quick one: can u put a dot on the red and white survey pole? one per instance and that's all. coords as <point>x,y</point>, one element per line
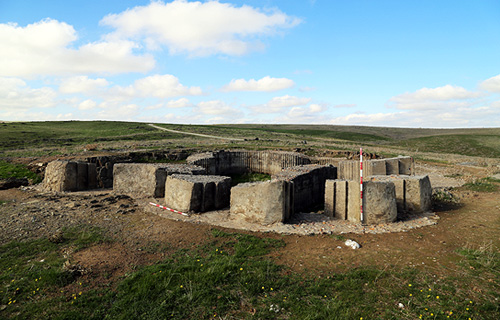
<point>169,209</point>
<point>362,218</point>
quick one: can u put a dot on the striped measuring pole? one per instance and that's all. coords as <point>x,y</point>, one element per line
<point>173,210</point>
<point>362,218</point>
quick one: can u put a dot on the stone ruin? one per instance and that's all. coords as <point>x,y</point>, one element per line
<point>390,186</point>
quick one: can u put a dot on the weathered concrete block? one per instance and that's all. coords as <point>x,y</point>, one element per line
<point>400,188</point>
<point>61,175</point>
<point>196,193</point>
<point>82,173</point>
<point>379,202</point>
<point>418,194</point>
<point>92,178</point>
<point>406,166</point>
<point>392,166</point>
<point>146,179</point>
<point>330,198</point>
<point>308,184</point>
<point>353,201</point>
<point>341,199</point>
<point>375,167</point>
<point>348,170</point>
<point>259,202</point>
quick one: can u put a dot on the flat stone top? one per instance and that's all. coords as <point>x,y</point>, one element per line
<point>396,177</point>
<point>296,171</point>
<point>199,178</point>
<point>205,155</point>
<point>172,167</point>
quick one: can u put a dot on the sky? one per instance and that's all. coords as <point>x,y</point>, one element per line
<point>421,64</point>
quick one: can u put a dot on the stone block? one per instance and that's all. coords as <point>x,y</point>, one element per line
<point>406,166</point>
<point>146,179</point>
<point>348,170</point>
<point>61,175</point>
<point>340,199</point>
<point>196,193</point>
<point>82,173</point>
<point>259,202</point>
<point>418,194</point>
<point>330,198</point>
<point>353,201</point>
<point>391,166</point>
<point>379,202</point>
<point>400,188</point>
<point>92,178</point>
<point>374,167</point>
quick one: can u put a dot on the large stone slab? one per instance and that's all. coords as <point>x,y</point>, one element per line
<point>147,179</point>
<point>418,194</point>
<point>197,193</point>
<point>413,193</point>
<point>379,202</point>
<point>65,175</point>
<point>259,202</point>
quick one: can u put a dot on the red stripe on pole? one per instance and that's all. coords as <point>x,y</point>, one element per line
<point>173,210</point>
<point>362,218</point>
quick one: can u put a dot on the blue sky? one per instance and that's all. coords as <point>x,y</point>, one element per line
<point>377,63</point>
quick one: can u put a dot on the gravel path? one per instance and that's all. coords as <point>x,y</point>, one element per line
<point>193,134</point>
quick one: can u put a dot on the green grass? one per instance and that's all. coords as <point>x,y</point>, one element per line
<point>11,170</point>
<point>483,185</point>
<point>75,133</point>
<point>232,277</point>
<point>465,144</point>
<point>32,277</point>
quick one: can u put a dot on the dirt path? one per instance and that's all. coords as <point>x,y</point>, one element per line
<point>194,134</point>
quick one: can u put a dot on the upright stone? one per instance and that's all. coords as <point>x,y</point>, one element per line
<point>341,199</point>
<point>92,178</point>
<point>379,202</point>
<point>392,166</point>
<point>418,194</point>
<point>196,193</point>
<point>330,198</point>
<point>406,166</point>
<point>82,174</point>
<point>375,167</point>
<point>354,201</point>
<point>61,175</point>
<point>259,202</point>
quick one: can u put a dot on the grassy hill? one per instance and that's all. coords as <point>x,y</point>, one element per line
<point>23,138</point>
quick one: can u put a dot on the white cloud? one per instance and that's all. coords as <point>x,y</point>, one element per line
<point>266,84</point>
<point>43,48</point>
<point>199,28</point>
<point>163,86</point>
<point>82,84</point>
<point>434,98</point>
<point>215,107</point>
<point>492,84</point>
<point>16,94</point>
<point>87,105</point>
<point>181,103</point>
<point>278,104</point>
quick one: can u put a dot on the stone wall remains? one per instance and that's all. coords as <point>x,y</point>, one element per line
<point>197,193</point>
<point>64,175</point>
<point>260,202</point>
<point>307,185</point>
<point>235,162</point>
<point>147,179</point>
<point>349,170</point>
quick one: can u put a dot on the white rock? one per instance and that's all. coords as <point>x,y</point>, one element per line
<point>353,244</point>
